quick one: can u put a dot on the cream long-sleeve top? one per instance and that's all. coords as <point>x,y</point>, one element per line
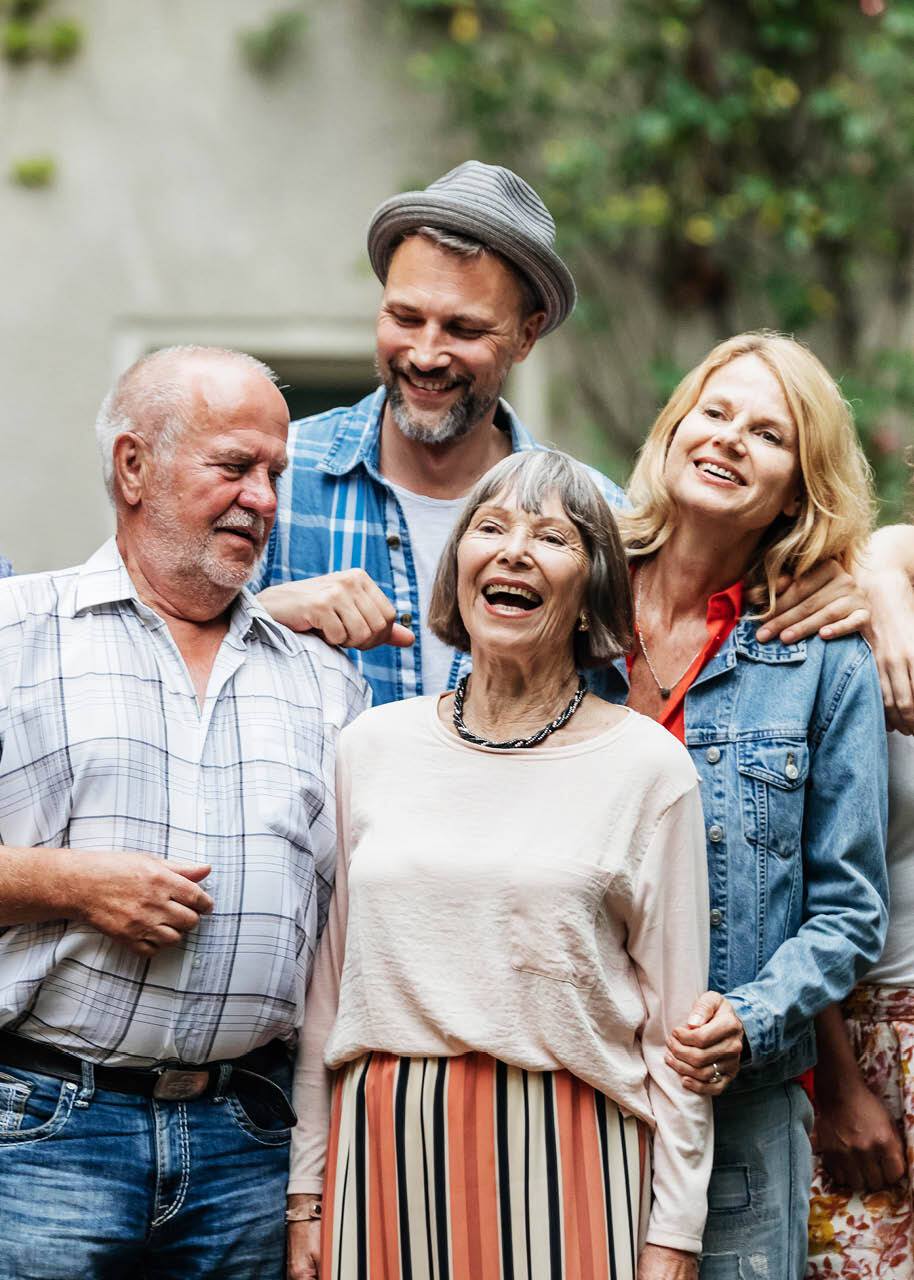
<point>548,907</point>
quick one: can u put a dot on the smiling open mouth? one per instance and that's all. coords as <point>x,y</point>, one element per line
<point>247,534</point>
<point>504,596</point>
<point>719,472</point>
<point>439,387</point>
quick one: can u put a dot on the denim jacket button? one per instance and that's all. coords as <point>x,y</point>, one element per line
<point>712,755</point>
<point>715,833</point>
<point>716,917</point>
<point>792,772</point>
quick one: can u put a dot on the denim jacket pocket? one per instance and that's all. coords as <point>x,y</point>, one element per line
<point>773,773</point>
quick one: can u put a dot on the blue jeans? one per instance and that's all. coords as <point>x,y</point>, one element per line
<point>758,1197</point>
<point>96,1184</point>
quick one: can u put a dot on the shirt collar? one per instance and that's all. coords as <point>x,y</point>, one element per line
<point>726,605</point>
<point>358,439</point>
<point>104,579</point>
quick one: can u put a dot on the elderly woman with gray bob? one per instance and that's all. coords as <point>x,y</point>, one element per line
<point>518,923</point>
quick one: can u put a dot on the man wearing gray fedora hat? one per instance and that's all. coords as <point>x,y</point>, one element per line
<point>471,281</point>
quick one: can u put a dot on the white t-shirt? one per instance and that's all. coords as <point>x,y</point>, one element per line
<point>430,521</point>
<point>896,967</point>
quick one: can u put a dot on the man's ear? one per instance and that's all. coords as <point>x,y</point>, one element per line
<point>130,457</point>
<point>529,332</point>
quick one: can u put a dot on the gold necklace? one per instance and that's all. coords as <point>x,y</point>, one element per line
<point>665,689</point>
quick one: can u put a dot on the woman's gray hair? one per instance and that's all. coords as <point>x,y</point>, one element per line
<point>532,476</point>
<point>153,400</point>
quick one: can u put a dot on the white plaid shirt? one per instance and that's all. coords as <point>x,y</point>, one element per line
<point>103,747</point>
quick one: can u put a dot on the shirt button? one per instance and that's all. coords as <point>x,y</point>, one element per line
<point>715,833</point>
<point>712,755</point>
<point>716,917</point>
<point>393,541</point>
<point>406,619</point>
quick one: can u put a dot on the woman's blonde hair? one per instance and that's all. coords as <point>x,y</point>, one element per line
<point>836,505</point>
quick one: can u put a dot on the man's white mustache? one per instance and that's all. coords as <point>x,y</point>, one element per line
<point>243,520</point>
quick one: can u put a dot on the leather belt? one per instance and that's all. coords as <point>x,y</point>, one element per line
<point>178,1082</point>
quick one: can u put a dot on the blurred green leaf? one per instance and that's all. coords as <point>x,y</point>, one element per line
<point>33,171</point>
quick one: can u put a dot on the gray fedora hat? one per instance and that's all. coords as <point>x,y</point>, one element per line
<point>489,204</point>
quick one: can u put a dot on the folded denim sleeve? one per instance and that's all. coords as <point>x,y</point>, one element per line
<point>845,884</point>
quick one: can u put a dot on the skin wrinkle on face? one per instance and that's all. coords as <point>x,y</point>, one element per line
<point>219,474</point>
<point>451,325</point>
<point>742,422</point>
<point>545,552</point>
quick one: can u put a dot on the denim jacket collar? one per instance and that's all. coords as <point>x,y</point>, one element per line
<point>741,642</point>
<point>774,652</point>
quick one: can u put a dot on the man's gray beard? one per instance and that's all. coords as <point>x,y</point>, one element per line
<point>191,558</point>
<point>457,422</point>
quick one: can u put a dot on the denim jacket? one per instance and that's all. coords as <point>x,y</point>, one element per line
<point>789,742</point>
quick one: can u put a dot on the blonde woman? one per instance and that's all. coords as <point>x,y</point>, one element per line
<point>751,470</point>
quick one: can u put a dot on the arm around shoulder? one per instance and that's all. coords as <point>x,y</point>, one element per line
<point>885,574</point>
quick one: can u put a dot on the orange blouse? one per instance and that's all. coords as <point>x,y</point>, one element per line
<point>724,609</point>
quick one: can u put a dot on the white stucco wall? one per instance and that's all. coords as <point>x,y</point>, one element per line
<point>194,201</point>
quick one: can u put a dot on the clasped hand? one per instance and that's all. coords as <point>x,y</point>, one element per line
<point>706,1049</point>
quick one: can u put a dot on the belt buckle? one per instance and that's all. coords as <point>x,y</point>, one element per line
<point>174,1085</point>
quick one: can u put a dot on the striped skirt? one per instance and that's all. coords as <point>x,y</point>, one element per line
<point>467,1169</point>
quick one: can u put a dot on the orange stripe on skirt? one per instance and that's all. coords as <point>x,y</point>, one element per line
<point>467,1169</point>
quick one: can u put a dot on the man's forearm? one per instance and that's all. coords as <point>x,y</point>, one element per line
<point>891,547</point>
<point>35,885</point>
<point>836,1068</point>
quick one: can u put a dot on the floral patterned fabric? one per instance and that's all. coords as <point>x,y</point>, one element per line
<point>870,1236</point>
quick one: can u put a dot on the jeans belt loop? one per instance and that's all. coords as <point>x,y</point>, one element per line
<point>222,1083</point>
<point>87,1088</point>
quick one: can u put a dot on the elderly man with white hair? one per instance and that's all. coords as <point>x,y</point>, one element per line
<point>168,833</point>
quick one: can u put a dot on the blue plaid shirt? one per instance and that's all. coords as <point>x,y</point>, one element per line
<point>336,511</point>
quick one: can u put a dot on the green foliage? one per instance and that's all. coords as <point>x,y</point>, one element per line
<point>33,171</point>
<point>22,38</point>
<point>269,47</point>
<point>23,9</point>
<point>18,41</point>
<point>747,164</point>
<point>63,40</point>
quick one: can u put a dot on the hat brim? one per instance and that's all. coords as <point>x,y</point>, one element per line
<point>544,269</point>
